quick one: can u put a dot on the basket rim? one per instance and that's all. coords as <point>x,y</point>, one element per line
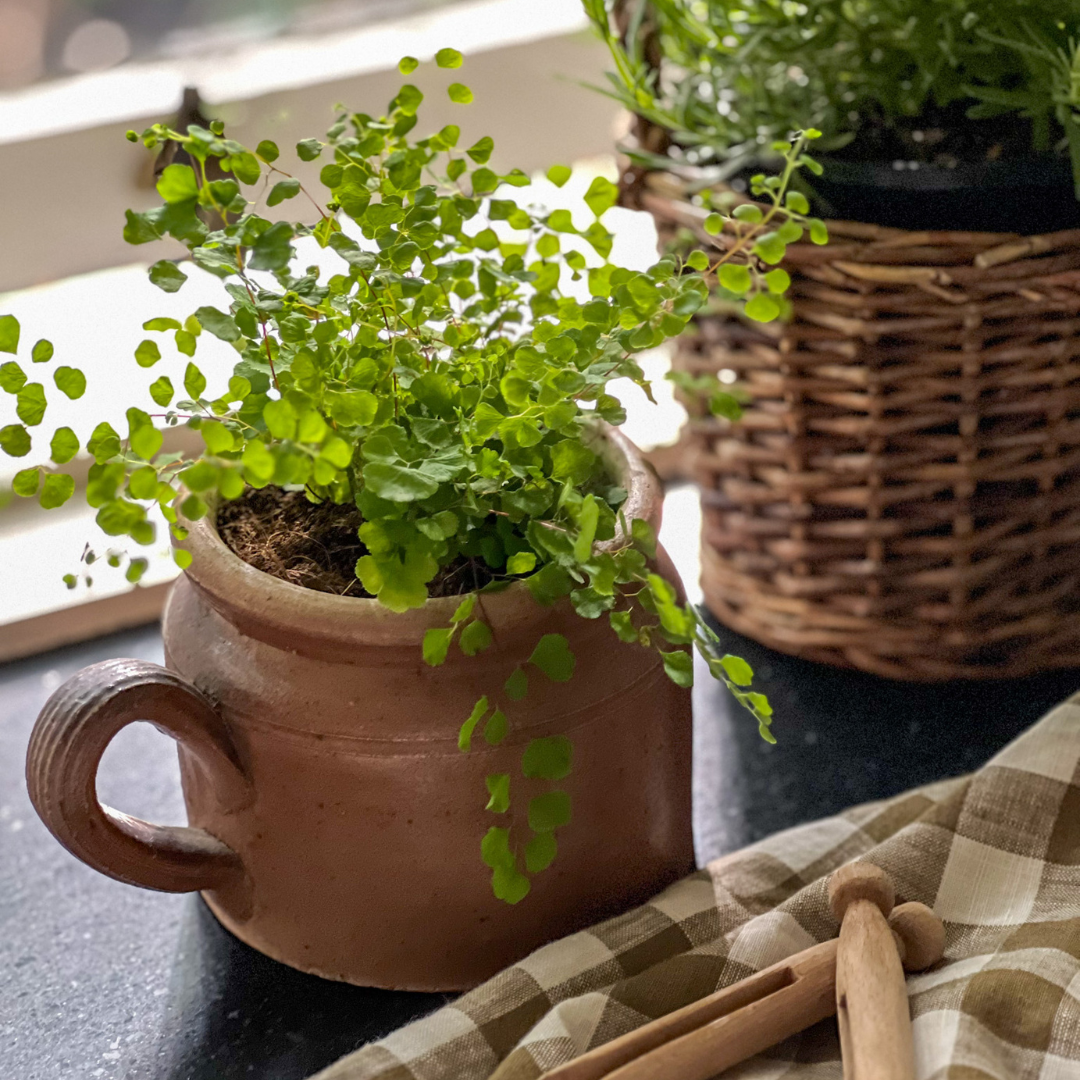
<point>648,194</point>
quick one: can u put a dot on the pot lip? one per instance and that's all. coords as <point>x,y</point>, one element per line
<point>264,604</point>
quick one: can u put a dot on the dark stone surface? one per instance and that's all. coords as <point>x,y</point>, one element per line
<point>100,980</point>
<point>844,738</point>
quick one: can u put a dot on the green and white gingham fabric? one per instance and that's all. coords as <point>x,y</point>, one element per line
<point>996,854</point>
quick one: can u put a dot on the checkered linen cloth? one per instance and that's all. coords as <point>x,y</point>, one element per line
<point>996,854</point>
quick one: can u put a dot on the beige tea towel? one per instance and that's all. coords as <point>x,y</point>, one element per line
<point>996,854</point>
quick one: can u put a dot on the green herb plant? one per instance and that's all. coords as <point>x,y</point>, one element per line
<point>739,74</point>
<point>444,378</point>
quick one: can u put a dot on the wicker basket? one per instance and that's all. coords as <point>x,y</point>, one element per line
<point>902,494</point>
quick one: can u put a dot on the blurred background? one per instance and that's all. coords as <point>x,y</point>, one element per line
<point>76,74</point>
<point>48,39</point>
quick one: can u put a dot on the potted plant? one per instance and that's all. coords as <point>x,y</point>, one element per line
<point>965,114</point>
<point>894,497</point>
<point>423,619</point>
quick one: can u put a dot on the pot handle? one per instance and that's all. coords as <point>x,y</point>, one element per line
<point>76,725</point>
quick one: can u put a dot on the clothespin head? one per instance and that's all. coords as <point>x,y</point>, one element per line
<point>861,881</point>
<point>920,936</point>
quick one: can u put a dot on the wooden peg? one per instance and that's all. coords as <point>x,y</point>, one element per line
<point>717,1032</point>
<point>871,996</point>
<point>732,1025</point>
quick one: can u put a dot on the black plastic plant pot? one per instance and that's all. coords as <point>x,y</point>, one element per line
<point>1029,197</point>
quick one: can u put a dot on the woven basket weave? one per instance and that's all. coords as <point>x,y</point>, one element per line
<point>902,494</point>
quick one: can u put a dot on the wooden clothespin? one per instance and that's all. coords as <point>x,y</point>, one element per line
<point>871,997</point>
<point>732,1025</point>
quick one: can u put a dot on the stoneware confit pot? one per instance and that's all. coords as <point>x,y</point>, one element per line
<point>334,823</point>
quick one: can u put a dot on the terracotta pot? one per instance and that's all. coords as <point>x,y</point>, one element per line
<point>335,825</point>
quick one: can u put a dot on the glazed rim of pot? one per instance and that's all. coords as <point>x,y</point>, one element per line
<point>262,602</point>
